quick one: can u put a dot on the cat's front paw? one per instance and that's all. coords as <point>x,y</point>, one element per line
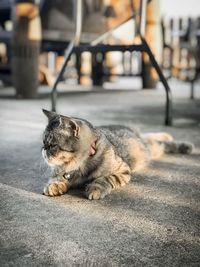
<point>55,188</point>
<point>94,193</point>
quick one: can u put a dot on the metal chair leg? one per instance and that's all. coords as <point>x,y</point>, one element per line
<point>168,108</point>
<point>192,90</point>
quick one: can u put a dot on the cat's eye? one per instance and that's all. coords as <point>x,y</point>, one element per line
<point>67,150</point>
<point>54,124</point>
<point>70,151</point>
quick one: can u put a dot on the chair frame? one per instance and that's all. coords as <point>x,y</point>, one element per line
<point>95,46</point>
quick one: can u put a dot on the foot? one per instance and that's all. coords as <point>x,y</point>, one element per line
<point>185,148</point>
<point>94,193</point>
<point>56,188</point>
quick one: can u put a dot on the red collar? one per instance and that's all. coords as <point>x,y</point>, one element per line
<point>92,151</point>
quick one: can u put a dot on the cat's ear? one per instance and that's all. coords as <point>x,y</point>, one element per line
<point>50,114</point>
<point>75,128</point>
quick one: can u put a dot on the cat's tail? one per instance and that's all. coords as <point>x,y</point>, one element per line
<point>163,143</point>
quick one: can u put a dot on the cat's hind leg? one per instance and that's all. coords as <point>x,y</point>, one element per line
<point>177,147</point>
<point>163,143</point>
<point>161,136</point>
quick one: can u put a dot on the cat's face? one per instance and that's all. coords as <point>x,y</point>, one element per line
<point>60,139</point>
<point>64,140</point>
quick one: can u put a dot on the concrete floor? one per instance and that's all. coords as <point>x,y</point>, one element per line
<point>153,221</point>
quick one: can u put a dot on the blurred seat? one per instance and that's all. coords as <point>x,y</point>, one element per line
<point>182,49</point>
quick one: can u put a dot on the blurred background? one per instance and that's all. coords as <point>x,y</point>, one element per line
<point>108,79</point>
<point>34,36</point>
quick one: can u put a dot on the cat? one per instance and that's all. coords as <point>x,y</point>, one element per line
<point>103,158</point>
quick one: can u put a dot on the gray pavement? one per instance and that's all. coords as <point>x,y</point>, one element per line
<point>153,221</point>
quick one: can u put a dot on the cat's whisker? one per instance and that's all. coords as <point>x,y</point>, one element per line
<point>41,166</point>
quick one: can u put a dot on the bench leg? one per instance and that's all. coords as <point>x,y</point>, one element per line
<point>192,89</point>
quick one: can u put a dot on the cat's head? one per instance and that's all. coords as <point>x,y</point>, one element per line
<point>66,141</point>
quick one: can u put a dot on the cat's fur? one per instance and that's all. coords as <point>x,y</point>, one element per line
<point>103,158</point>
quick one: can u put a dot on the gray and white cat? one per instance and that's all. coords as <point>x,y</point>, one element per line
<point>103,158</point>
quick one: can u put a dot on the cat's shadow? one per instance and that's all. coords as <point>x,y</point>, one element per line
<point>77,192</point>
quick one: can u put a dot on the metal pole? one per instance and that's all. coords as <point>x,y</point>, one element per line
<point>192,90</point>
<point>142,22</point>
<point>78,31</point>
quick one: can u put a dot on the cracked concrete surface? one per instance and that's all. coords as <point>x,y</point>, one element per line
<point>153,221</point>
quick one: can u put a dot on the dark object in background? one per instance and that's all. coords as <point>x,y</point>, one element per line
<point>97,68</point>
<point>26,42</point>
<point>5,36</point>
